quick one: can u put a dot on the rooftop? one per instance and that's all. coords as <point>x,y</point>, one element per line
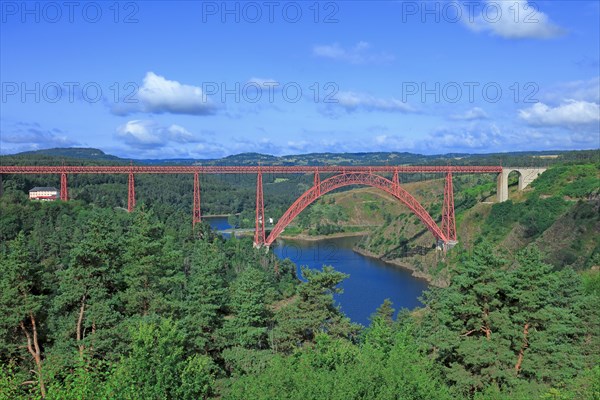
<point>43,189</point>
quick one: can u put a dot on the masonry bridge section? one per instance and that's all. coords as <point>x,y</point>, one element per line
<point>526,176</point>
<point>337,177</point>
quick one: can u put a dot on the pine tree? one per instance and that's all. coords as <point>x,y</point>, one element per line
<point>86,308</point>
<point>150,271</point>
<point>497,324</point>
<point>22,304</point>
<point>380,333</point>
<point>312,311</point>
<point>546,308</point>
<point>205,295</point>
<point>250,296</point>
<point>466,323</point>
<point>156,367</point>
<point>385,312</point>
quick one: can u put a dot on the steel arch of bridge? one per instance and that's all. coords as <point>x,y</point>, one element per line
<point>356,178</point>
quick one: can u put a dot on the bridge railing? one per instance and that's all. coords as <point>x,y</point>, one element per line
<point>160,169</point>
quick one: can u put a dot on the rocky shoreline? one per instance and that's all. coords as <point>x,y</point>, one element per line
<point>415,272</point>
<point>308,238</point>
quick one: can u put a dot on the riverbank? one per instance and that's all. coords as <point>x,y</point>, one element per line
<point>370,280</point>
<point>414,271</point>
<point>314,238</point>
<point>303,237</point>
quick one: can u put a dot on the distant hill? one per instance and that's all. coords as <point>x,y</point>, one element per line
<point>87,154</point>
<point>530,158</point>
<point>72,152</point>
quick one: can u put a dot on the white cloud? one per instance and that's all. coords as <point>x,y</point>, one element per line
<point>488,137</point>
<point>358,54</point>
<point>353,101</point>
<point>149,139</point>
<point>392,143</point>
<point>569,113</point>
<point>515,19</point>
<point>25,136</point>
<point>471,137</point>
<point>195,151</point>
<point>179,134</point>
<point>302,145</point>
<point>263,83</point>
<point>465,139</point>
<point>141,134</point>
<point>159,95</point>
<point>587,90</point>
<point>144,134</point>
<point>470,115</point>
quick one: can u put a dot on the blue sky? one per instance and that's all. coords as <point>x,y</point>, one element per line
<point>209,79</point>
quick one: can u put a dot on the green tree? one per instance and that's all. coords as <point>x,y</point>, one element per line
<point>500,326</point>
<point>337,369</point>
<point>197,378</point>
<point>11,383</point>
<point>312,311</point>
<point>150,271</point>
<point>84,381</point>
<point>156,367</point>
<point>385,312</point>
<point>22,305</point>
<point>380,333</point>
<point>205,295</point>
<point>249,299</point>
<point>463,326</point>
<point>547,307</point>
<point>85,310</point>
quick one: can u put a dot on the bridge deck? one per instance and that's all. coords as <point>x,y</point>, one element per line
<point>150,169</point>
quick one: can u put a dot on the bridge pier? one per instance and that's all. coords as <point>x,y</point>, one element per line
<point>131,193</point>
<point>261,246</point>
<point>448,218</point>
<point>259,233</point>
<point>445,246</point>
<point>526,176</point>
<point>64,191</point>
<point>196,217</point>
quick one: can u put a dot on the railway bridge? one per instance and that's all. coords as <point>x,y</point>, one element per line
<point>339,176</point>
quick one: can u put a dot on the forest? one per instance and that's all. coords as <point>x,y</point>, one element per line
<point>103,304</point>
<point>98,303</point>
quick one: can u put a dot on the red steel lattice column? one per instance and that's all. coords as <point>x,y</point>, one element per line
<point>317,182</point>
<point>259,232</point>
<point>64,191</point>
<point>396,181</point>
<point>196,212</point>
<point>131,193</point>
<point>448,220</point>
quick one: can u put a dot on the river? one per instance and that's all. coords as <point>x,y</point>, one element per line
<point>371,281</point>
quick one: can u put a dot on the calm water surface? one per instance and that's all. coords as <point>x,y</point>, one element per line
<point>370,282</point>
